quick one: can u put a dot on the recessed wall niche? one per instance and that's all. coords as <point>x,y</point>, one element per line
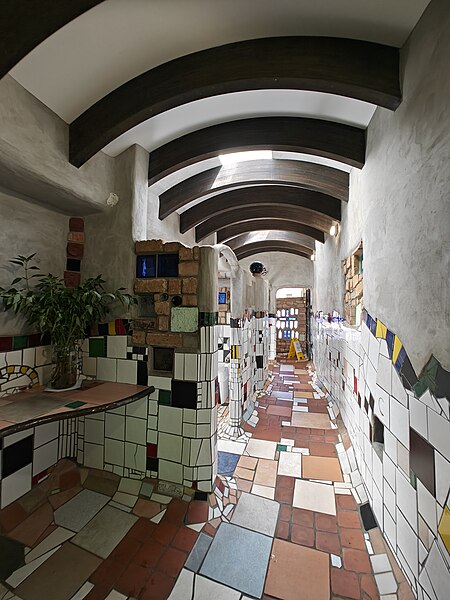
<point>157,265</point>
<point>146,305</point>
<point>353,279</point>
<point>162,359</point>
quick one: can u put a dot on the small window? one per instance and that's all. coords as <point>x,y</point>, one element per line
<point>168,265</point>
<point>157,265</point>
<point>146,266</point>
<point>222,297</point>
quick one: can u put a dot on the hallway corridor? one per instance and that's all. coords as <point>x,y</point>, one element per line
<point>284,517</point>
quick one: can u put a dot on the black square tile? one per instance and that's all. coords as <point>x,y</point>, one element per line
<point>73,265</point>
<point>367,516</point>
<point>152,464</point>
<point>421,460</point>
<point>259,362</point>
<point>17,456</point>
<point>142,372</point>
<point>184,394</point>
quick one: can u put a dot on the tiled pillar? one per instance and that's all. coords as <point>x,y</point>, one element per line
<point>236,383</point>
<point>272,336</point>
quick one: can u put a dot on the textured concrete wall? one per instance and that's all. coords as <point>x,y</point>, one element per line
<point>284,270</point>
<point>34,148</point>
<point>167,230</point>
<point>26,228</point>
<point>399,204</point>
<point>208,279</point>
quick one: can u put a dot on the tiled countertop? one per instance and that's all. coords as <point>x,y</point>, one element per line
<point>35,406</point>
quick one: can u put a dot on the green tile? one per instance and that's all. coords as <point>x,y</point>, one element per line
<point>184,319</point>
<point>165,397</point>
<point>97,347</point>
<point>76,404</point>
<point>19,342</point>
<point>281,447</point>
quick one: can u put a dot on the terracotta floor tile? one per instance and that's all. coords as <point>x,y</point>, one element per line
<point>328,542</point>
<point>310,420</point>
<point>346,502</point>
<point>176,511</point>
<point>98,593</point>
<point>12,516</point>
<point>185,539</point>
<point>349,519</point>
<point>285,482</point>
<point>356,560</point>
<point>345,583</point>
<point>280,411</point>
<point>303,517</point>
<point>142,530</point>
<point>246,474</point>
<point>126,550</point>
<point>285,513</point>
<point>302,535</point>
<point>31,529</point>
<point>149,554</point>
<point>326,522</point>
<point>267,433</point>
<point>172,561</point>
<point>146,508</point>
<point>266,472</point>
<point>57,500</point>
<point>369,587</point>
<point>322,449</point>
<point>352,538</point>
<point>284,495</point>
<point>282,530</point>
<point>319,467</point>
<point>243,485</point>
<point>164,533</point>
<point>197,512</point>
<point>291,566</point>
<point>132,580</point>
<point>248,462</point>
<point>108,573</point>
<point>157,587</point>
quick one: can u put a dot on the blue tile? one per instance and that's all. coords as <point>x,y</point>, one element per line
<point>227,463</point>
<point>239,559</point>
<point>198,553</point>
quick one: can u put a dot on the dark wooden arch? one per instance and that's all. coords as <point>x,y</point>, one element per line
<point>278,196</point>
<point>303,216</point>
<point>294,173</point>
<point>327,139</point>
<point>261,247</point>
<point>274,236</point>
<point>24,24</point>
<point>232,231</point>
<point>357,69</point>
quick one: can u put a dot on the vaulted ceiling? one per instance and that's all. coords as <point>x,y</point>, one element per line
<point>193,81</point>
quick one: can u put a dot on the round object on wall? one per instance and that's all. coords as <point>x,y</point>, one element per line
<point>177,300</point>
<point>164,297</point>
<point>257,268</point>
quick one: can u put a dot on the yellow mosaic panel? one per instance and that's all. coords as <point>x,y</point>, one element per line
<point>397,347</point>
<point>381,330</point>
<point>444,528</point>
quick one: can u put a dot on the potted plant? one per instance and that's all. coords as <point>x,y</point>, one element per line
<point>61,312</point>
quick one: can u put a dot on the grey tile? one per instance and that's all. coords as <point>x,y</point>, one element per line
<point>198,552</point>
<point>238,558</point>
<point>102,534</point>
<point>77,512</point>
<point>256,513</point>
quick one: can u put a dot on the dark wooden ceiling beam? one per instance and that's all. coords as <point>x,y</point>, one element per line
<point>24,24</point>
<point>279,196</point>
<point>254,213</point>
<point>232,231</point>
<point>326,139</point>
<point>273,236</point>
<point>353,68</point>
<point>294,173</point>
<point>262,247</point>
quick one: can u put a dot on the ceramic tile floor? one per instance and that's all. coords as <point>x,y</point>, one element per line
<point>283,517</point>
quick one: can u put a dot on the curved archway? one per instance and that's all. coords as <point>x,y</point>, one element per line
<point>262,196</point>
<point>294,173</point>
<point>272,236</point>
<point>343,143</point>
<point>261,247</point>
<point>233,231</point>
<point>357,69</point>
<point>299,215</point>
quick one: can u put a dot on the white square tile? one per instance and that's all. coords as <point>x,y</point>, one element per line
<point>138,408</point>
<point>314,496</point>
<point>427,506</point>
<point>89,366</point>
<point>264,491</point>
<point>135,456</point>
<point>397,388</point>
<point>115,426</point>
<point>439,433</point>
<point>106,369</point>
<point>16,437</point>
<point>384,373</point>
<point>114,452</point>
<point>386,583</point>
<point>116,346</point>
<point>16,485</point>
<point>261,449</point>
<point>170,471</point>
<point>135,430</point>
<point>169,446</point>
<point>381,409</point>
<point>93,431</point>
<point>178,367</point>
<point>442,474</point>
<point>160,383</point>
<point>399,421</point>
<point>93,456</point>
<point>170,419</point>
<point>190,367</point>
<point>45,433</point>
<point>418,416</point>
<point>380,563</point>
<point>127,371</point>
<point>43,355</point>
<point>45,456</point>
<point>407,542</point>
<point>290,464</point>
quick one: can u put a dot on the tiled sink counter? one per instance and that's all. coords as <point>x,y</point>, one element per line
<point>102,425</point>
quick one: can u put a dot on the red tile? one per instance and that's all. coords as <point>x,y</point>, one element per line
<point>282,530</point>
<point>185,539</point>
<point>149,554</point>
<point>172,561</point>
<point>303,517</point>
<point>326,523</point>
<point>322,449</point>
<point>197,512</point>
<point>108,572</point>
<point>76,224</point>
<point>69,479</point>
<point>345,584</point>
<point>132,580</point>
<point>369,588</point>
<point>352,538</point>
<point>30,530</point>
<point>126,549</point>
<point>302,535</point>
<point>209,529</point>
<point>285,513</point>
<point>142,530</point>
<point>157,587</point>
<point>98,593</point>
<point>57,500</point>
<point>346,502</point>
<point>328,542</point>
<point>146,508</point>
<point>356,560</point>
<point>12,516</point>
<point>349,519</point>
<point>164,533</point>
<point>176,512</point>
<point>284,482</point>
<point>284,495</point>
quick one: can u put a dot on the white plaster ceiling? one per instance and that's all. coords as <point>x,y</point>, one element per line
<point>119,39</point>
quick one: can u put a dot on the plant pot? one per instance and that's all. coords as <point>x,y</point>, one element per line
<point>66,367</point>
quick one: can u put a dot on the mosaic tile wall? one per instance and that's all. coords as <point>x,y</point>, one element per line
<point>291,322</point>
<point>400,429</point>
<point>178,443</point>
<point>24,368</point>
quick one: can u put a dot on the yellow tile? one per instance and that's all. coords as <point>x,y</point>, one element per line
<point>397,347</point>
<point>381,330</point>
<point>24,370</point>
<point>444,528</point>
<point>112,328</point>
<point>10,370</point>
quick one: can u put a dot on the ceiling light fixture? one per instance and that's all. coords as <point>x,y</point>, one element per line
<point>333,230</point>
<point>237,157</point>
<point>313,257</point>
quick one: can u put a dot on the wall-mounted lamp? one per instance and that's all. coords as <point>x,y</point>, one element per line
<point>313,257</point>
<point>333,230</point>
